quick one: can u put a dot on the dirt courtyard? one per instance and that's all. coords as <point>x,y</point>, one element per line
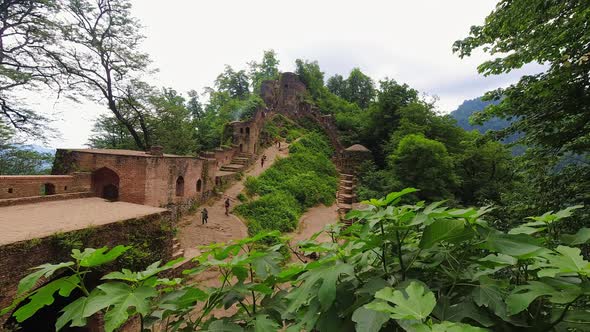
<point>29,221</point>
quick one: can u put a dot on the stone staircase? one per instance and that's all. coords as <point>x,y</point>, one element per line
<point>238,163</point>
<point>346,196</point>
<point>177,251</point>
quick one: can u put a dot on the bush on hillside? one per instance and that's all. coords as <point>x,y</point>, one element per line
<point>279,211</point>
<point>307,177</point>
<point>314,143</point>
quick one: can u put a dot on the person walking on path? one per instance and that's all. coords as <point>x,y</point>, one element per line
<point>204,216</point>
<point>279,144</point>
<point>227,206</point>
<point>262,160</point>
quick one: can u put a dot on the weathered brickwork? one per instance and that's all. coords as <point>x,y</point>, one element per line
<point>39,185</point>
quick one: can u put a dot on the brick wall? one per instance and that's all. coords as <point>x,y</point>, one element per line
<point>155,231</point>
<point>18,186</point>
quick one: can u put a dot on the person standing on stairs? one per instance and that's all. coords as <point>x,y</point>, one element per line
<point>227,206</point>
<point>204,216</point>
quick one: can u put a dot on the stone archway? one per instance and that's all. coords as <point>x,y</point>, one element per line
<point>180,186</point>
<point>105,184</point>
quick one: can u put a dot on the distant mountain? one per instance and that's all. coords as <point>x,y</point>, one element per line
<point>465,110</point>
<point>37,148</point>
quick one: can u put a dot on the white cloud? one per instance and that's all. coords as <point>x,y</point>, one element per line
<point>410,41</point>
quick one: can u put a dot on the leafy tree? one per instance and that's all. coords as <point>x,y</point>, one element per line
<point>384,115</point>
<point>359,88</point>
<point>173,127</point>
<point>109,133</point>
<point>194,105</point>
<point>234,83</point>
<point>27,33</point>
<point>337,85</point>
<point>267,69</point>
<point>99,50</point>
<point>312,76</point>
<point>424,163</point>
<point>550,108</point>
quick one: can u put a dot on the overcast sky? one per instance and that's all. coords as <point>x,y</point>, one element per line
<point>410,41</point>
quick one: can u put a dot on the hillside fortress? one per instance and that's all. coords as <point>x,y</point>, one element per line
<point>121,194</point>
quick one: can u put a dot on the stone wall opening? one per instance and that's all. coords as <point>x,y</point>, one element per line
<point>180,186</point>
<point>48,189</point>
<point>105,183</point>
<point>199,185</point>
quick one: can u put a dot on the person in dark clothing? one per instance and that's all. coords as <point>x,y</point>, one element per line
<point>204,216</point>
<point>227,207</point>
<point>262,160</point>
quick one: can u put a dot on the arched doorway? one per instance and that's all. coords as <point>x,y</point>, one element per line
<point>48,189</point>
<point>241,148</point>
<point>105,184</point>
<point>247,131</point>
<point>199,185</point>
<point>180,186</point>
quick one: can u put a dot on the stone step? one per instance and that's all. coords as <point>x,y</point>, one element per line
<point>232,167</point>
<point>346,183</point>
<point>346,190</point>
<point>349,177</point>
<point>178,254</point>
<point>240,161</point>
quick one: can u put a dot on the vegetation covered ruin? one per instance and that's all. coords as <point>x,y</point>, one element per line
<point>429,227</point>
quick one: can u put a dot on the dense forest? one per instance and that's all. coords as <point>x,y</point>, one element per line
<point>458,233</point>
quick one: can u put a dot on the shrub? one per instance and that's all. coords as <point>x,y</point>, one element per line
<point>292,135</point>
<point>306,178</point>
<point>279,211</point>
<point>314,143</point>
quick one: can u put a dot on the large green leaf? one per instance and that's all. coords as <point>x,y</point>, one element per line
<point>91,257</point>
<point>121,300</point>
<point>44,296</point>
<point>448,230</point>
<point>416,303</point>
<point>369,320</point>
<point>224,326</point>
<point>150,271</point>
<point>522,296</point>
<point>263,324</point>
<point>566,260</point>
<point>516,245</point>
<point>45,270</point>
<point>581,237</point>
<point>74,313</point>
<point>320,281</point>
<point>267,264</point>
<point>443,327</point>
<point>490,293</point>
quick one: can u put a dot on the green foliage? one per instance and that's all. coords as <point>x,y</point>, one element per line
<point>358,88</point>
<point>400,267</point>
<point>310,74</point>
<point>267,69</point>
<point>547,110</point>
<point>278,211</point>
<point>425,164</point>
<point>291,185</point>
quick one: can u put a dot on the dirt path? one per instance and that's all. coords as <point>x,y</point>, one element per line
<point>222,228</point>
<point>313,221</point>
